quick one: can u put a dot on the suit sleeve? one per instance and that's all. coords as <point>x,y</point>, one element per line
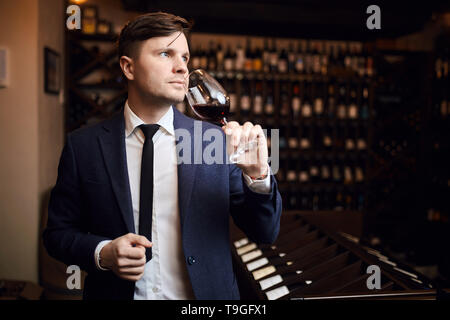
<point>65,236</point>
<point>256,214</point>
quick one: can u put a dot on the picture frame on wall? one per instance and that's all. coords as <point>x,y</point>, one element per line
<point>52,71</point>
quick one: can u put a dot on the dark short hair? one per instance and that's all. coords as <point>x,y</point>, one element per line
<point>146,26</point>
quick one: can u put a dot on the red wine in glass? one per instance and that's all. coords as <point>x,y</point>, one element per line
<point>212,113</point>
<point>210,102</point>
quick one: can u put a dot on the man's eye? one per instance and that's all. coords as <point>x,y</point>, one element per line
<point>185,59</point>
<point>164,54</point>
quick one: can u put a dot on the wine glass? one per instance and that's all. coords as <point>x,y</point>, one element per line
<point>210,102</point>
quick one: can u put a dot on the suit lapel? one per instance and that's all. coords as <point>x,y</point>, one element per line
<point>114,154</point>
<point>112,143</point>
<point>186,171</point>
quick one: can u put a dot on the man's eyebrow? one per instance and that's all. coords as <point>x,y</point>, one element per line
<point>170,49</point>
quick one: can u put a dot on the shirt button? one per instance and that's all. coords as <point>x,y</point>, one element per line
<point>191,260</point>
<point>155,289</point>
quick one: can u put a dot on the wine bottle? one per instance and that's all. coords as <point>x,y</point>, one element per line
<point>279,260</point>
<point>293,138</point>
<point>336,172</point>
<point>282,291</point>
<point>316,58</point>
<point>195,61</point>
<point>314,170</point>
<point>269,107</point>
<point>359,170</point>
<point>203,58</point>
<point>273,57</point>
<point>305,138</point>
<point>353,106</point>
<point>284,100</point>
<point>240,58</point>
<point>266,56</point>
<point>325,58</point>
<point>296,101</point>
<point>362,59</point>
<point>364,112</point>
<point>318,101</point>
<point>283,61</point>
<point>291,172</point>
<point>303,174</point>
<point>220,57</point>
<point>283,139</point>
<point>257,60</point>
<point>245,102</point>
<point>369,66</point>
<point>316,199</point>
<point>347,56</point>
<point>348,174</point>
<point>258,100</point>
<point>361,141</point>
<point>341,108</point>
<point>293,198</point>
<point>278,279</point>
<point>339,203</point>
<point>340,137</point>
<point>248,64</point>
<point>325,172</point>
<point>351,138</point>
<point>331,102</point>
<point>300,62</point>
<point>229,60</point>
<point>306,107</point>
<point>230,89</point>
<point>291,58</point>
<point>327,141</point>
<point>308,58</point>
<point>212,58</point>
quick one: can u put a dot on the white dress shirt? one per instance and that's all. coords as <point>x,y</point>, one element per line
<point>165,275</point>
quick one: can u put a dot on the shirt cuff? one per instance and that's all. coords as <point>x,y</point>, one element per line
<point>97,254</point>
<point>259,186</point>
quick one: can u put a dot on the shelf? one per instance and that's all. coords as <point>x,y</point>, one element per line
<point>270,76</point>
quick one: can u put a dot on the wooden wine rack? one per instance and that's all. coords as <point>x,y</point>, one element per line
<point>333,264</point>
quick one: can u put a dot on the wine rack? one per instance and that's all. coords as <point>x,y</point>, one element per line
<point>95,86</point>
<point>436,226</point>
<point>317,94</point>
<point>311,262</point>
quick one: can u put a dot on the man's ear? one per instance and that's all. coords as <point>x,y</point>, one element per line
<point>127,66</point>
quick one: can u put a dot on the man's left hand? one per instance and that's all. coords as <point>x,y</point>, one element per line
<point>254,161</point>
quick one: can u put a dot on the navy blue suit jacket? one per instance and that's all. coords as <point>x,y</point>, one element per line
<point>91,202</point>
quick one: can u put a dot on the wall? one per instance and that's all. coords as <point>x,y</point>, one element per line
<point>31,132</point>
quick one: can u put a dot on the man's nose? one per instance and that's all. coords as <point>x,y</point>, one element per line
<point>180,66</point>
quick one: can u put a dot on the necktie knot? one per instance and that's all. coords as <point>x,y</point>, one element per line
<point>149,130</point>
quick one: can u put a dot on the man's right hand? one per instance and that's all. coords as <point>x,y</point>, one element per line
<point>125,256</point>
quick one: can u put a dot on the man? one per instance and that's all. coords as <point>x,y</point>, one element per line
<point>167,238</point>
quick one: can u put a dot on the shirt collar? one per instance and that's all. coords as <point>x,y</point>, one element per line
<point>132,121</point>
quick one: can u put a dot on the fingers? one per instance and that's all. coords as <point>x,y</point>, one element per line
<point>233,131</point>
<point>138,240</point>
<point>255,133</point>
<point>228,128</point>
<point>133,271</point>
<point>125,263</point>
<point>246,129</point>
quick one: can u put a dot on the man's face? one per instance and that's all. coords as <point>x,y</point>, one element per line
<point>160,70</point>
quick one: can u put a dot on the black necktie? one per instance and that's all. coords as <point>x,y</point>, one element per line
<point>146,193</point>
